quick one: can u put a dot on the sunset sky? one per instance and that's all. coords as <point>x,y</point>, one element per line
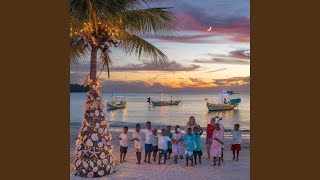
<point>200,61</point>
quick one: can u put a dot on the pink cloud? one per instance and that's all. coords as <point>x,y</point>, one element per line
<point>237,29</point>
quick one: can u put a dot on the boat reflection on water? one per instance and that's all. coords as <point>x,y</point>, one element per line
<point>119,114</point>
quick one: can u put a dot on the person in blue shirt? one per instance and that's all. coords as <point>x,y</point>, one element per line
<point>190,146</point>
<point>197,151</point>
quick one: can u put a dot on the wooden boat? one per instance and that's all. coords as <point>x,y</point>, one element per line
<point>164,103</point>
<point>117,102</point>
<point>226,103</point>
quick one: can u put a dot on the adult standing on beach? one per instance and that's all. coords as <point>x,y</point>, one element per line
<point>148,142</point>
<point>191,124</point>
<point>209,131</point>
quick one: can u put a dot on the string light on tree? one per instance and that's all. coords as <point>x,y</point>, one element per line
<point>93,146</point>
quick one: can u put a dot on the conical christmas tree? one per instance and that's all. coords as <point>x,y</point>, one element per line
<point>94,157</point>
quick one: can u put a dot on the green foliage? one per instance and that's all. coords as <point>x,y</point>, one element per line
<point>104,24</point>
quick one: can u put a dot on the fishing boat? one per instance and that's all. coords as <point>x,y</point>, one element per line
<point>226,102</point>
<point>117,102</point>
<point>162,102</point>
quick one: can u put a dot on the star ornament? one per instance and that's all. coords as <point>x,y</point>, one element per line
<point>85,151</point>
<point>94,153</point>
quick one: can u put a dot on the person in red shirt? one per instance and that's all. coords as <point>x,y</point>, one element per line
<point>209,131</point>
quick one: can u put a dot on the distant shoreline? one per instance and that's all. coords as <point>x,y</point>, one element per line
<point>78,88</point>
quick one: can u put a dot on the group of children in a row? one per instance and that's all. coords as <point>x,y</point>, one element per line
<point>188,145</point>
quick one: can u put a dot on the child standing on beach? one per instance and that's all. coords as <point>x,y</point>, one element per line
<point>148,142</point>
<point>124,143</point>
<point>236,140</point>
<point>169,134</point>
<point>138,139</point>
<point>163,145</point>
<point>197,151</point>
<point>155,144</point>
<point>190,146</point>
<point>177,146</point>
<point>217,142</point>
<point>209,131</point>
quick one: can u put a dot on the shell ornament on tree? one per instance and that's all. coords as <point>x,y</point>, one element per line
<point>94,141</point>
<point>94,137</point>
<point>100,131</point>
<point>100,144</point>
<point>89,142</point>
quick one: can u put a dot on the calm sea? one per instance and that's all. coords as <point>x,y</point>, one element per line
<point>138,110</point>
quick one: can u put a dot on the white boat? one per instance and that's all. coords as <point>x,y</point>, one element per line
<point>226,103</point>
<point>117,102</point>
<point>163,103</point>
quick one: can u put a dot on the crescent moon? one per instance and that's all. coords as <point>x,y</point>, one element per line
<point>209,29</point>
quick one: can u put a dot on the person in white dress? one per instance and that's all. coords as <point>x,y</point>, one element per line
<point>138,140</point>
<point>218,121</point>
<point>177,146</point>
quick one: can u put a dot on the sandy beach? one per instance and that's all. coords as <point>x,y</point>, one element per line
<point>228,170</point>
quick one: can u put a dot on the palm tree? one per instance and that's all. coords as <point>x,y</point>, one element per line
<point>96,27</point>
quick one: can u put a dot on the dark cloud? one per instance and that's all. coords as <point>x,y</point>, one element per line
<point>147,66</point>
<point>238,57</point>
<point>217,70</point>
<point>241,53</point>
<point>200,38</point>
<point>222,60</point>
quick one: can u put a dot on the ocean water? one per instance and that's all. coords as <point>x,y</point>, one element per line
<point>139,111</point>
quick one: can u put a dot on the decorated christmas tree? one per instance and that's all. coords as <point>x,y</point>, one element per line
<point>94,156</point>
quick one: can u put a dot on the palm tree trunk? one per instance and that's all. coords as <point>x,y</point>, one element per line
<point>93,64</point>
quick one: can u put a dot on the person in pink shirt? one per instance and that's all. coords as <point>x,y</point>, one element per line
<point>217,144</point>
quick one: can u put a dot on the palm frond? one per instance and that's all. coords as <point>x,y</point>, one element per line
<point>78,50</point>
<point>131,43</point>
<point>100,10</point>
<point>157,21</point>
<point>106,60</point>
